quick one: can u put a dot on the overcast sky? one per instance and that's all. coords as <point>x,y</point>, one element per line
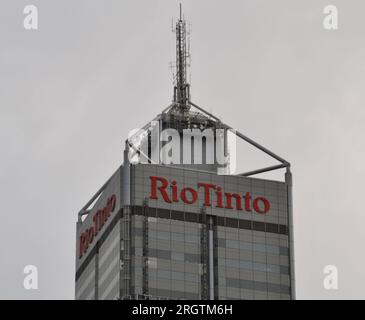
<point>71,91</point>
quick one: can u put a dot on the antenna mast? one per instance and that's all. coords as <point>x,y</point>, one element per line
<point>182,88</point>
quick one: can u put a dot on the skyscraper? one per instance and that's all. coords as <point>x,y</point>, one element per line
<point>173,222</point>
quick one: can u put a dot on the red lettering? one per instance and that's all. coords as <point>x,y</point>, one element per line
<point>219,198</point>
<point>174,192</point>
<point>194,195</point>
<point>90,235</point>
<point>257,207</point>
<point>162,188</point>
<point>99,214</point>
<point>229,201</point>
<point>113,201</point>
<point>104,214</point>
<point>96,223</point>
<point>247,201</point>
<point>82,244</point>
<point>207,188</point>
<point>99,219</point>
<point>190,196</point>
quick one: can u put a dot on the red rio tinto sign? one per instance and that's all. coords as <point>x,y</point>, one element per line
<point>99,219</point>
<point>220,199</point>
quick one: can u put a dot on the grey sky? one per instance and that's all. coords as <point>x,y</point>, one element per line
<point>71,91</point>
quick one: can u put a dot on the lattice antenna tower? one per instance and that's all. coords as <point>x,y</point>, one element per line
<point>181,85</point>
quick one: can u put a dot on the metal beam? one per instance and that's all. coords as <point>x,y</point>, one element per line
<point>206,112</point>
<point>140,152</point>
<point>242,136</point>
<point>85,208</point>
<point>258,146</point>
<point>250,173</point>
<point>289,183</point>
<point>167,108</point>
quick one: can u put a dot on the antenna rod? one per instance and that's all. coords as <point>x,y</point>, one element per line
<point>182,88</point>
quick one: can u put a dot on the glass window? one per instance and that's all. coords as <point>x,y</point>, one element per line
<point>192,238</point>
<point>232,223</point>
<point>177,256</point>
<point>164,254</point>
<point>177,236</point>
<point>273,268</point>
<point>164,274</point>
<point>192,277</point>
<point>163,213</point>
<point>259,247</point>
<point>259,266</point>
<point>245,224</point>
<point>246,265</point>
<point>152,262</point>
<point>163,235</point>
<point>192,217</point>
<point>232,263</point>
<point>245,246</point>
<point>232,244</point>
<point>138,252</point>
<point>259,226</point>
<point>221,242</point>
<point>271,227</point>
<point>177,215</point>
<point>220,221</point>
<point>284,270</point>
<point>273,249</point>
<point>283,229</point>
<point>284,251</point>
<point>190,257</point>
<point>177,275</point>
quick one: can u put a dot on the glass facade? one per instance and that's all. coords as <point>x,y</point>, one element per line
<point>252,265</point>
<point>249,264</point>
<point>251,255</point>
<point>174,258</point>
<point>153,249</point>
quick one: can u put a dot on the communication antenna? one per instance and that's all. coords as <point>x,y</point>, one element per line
<point>181,86</point>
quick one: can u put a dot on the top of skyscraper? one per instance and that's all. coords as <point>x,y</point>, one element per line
<point>183,115</point>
